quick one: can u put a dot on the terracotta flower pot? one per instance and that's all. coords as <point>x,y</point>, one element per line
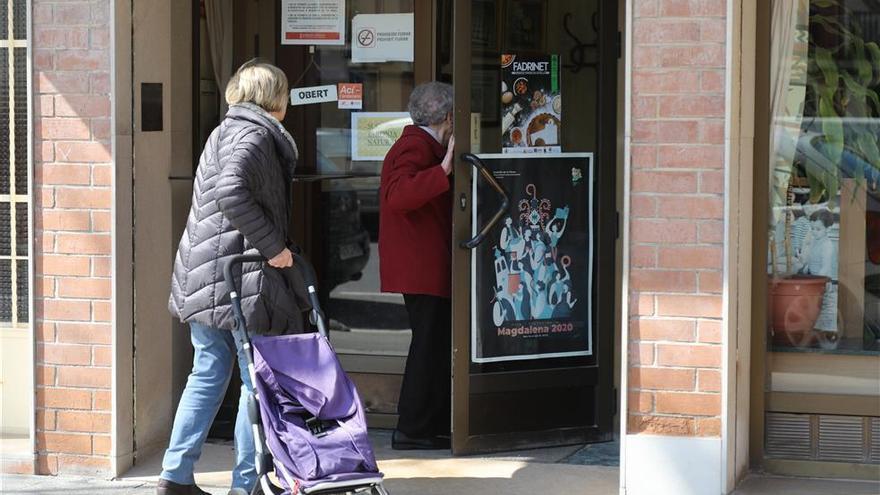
<point>795,304</point>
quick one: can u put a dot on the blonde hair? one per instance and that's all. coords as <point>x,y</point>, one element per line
<point>259,83</point>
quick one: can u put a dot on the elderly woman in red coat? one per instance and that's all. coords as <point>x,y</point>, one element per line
<point>415,236</point>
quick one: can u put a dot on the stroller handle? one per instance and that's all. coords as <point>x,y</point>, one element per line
<point>300,263</point>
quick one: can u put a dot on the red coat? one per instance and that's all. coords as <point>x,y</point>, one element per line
<point>415,217</point>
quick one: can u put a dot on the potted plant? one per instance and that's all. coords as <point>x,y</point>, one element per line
<point>838,76</point>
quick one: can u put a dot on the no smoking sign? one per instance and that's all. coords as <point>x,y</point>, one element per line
<point>366,37</point>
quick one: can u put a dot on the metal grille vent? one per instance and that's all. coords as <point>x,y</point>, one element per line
<point>874,452</point>
<point>788,436</point>
<point>841,438</point>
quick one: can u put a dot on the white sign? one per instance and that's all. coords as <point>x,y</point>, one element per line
<point>373,133</point>
<point>382,38</point>
<point>313,94</point>
<point>312,22</point>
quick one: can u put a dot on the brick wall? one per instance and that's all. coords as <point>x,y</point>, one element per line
<point>71,63</point>
<point>676,234</point>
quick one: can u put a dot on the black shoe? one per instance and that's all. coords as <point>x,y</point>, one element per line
<point>166,487</point>
<point>402,441</point>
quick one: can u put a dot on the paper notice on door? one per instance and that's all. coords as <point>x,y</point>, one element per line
<point>351,96</point>
<point>373,133</point>
<point>312,22</point>
<point>382,38</point>
<point>313,94</point>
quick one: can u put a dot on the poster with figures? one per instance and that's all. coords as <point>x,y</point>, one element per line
<point>531,104</point>
<point>532,294</point>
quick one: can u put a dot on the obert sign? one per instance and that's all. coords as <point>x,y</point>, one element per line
<point>313,94</point>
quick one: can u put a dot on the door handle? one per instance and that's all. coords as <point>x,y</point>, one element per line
<point>502,209</point>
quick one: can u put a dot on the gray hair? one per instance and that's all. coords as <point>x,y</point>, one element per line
<point>430,102</point>
<point>259,83</point>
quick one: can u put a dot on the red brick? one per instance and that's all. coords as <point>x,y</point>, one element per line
<point>692,8</point>
<point>102,355</point>
<point>101,221</point>
<point>56,309</point>
<point>661,425</point>
<point>46,198</point>
<point>101,311</point>
<point>46,241</point>
<point>662,379</point>
<point>101,130</point>
<point>101,266</point>
<point>643,206</point>
<point>712,182</point>
<point>710,232</point>
<point>84,243</point>
<point>712,81</point>
<point>83,60</point>
<point>85,333</point>
<point>82,152</point>
<point>100,83</point>
<point>708,258</point>
<point>79,421</point>
<point>688,403</point>
<point>665,31</point>
<point>664,182</point>
<point>643,156</point>
<point>84,288</point>
<point>45,331</point>
<point>663,231</point>
<point>45,287</point>
<point>643,256</point>
<point>83,465</point>
<point>712,132</point>
<point>711,282</point>
<point>103,401</point>
<point>665,81</point>
<point>44,152</point>
<point>101,445</point>
<point>45,419</point>
<point>646,8</point>
<point>73,13</point>
<point>80,376</point>
<point>62,82</point>
<point>699,55</point>
<point>662,281</point>
<point>83,106</point>
<point>641,354</point>
<point>63,174</point>
<point>41,13</point>
<point>663,329</point>
<point>44,106</point>
<point>709,331</point>
<point>691,207</point>
<point>64,220</point>
<point>64,354</point>
<point>47,464</point>
<point>646,56</point>
<point>46,375</point>
<point>693,306</point>
<point>708,427</point>
<point>697,356</point>
<point>672,106</point>
<point>63,265</point>
<point>644,107</point>
<point>102,175</point>
<point>53,37</point>
<point>44,59</point>
<point>691,156</point>
<point>677,131</point>
<point>63,398</point>
<point>64,443</point>
<point>641,304</point>
<point>99,38</point>
<point>63,128</point>
<point>709,380</point>
<point>641,401</point>
<point>644,131</point>
<point>83,198</point>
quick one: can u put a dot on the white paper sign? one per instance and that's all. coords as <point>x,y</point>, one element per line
<point>373,133</point>
<point>312,22</point>
<point>313,94</point>
<point>382,38</point>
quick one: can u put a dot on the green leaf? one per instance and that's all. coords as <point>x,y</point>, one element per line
<point>874,55</point>
<point>860,60</point>
<point>825,62</point>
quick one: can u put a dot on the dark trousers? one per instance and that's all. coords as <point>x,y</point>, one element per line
<point>425,402</point>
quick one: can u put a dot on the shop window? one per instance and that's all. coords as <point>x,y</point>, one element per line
<point>15,342</point>
<point>823,231</point>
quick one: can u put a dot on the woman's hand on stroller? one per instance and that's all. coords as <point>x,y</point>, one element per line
<point>284,259</point>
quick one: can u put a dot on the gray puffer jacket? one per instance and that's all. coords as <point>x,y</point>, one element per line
<point>240,205</point>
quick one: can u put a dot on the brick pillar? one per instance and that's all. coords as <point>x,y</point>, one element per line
<point>73,199</point>
<point>677,217</point>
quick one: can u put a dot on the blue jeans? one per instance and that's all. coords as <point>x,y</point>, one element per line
<point>212,368</point>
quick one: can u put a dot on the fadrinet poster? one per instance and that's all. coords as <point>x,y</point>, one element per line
<point>533,275</point>
<point>531,104</point>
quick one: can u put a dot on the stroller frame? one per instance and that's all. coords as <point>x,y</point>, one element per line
<point>264,457</point>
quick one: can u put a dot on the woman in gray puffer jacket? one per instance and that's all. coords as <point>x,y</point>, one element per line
<point>240,204</point>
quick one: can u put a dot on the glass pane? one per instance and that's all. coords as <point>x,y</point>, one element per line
<point>22,286</point>
<point>5,227</point>
<point>5,291</point>
<point>4,18</point>
<point>21,129</point>
<point>4,123</point>
<point>20,19</point>
<point>21,229</point>
<point>824,222</point>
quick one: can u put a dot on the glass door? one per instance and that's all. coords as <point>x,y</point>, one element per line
<point>534,221</point>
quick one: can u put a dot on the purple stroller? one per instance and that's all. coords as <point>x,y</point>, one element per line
<point>308,420</point>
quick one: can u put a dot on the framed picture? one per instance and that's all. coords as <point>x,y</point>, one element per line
<point>524,26</point>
